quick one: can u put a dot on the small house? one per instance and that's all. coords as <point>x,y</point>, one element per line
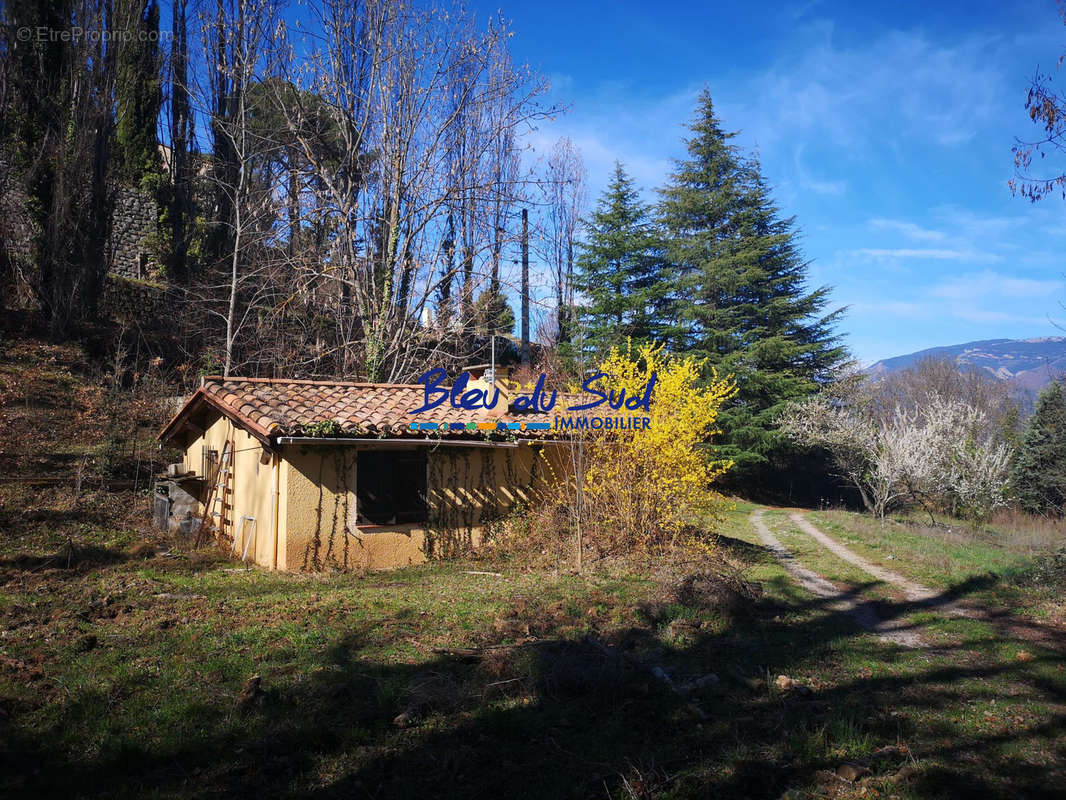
<point>319,475</point>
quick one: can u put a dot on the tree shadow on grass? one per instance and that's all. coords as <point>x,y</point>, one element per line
<point>588,717</point>
<point>746,551</point>
<point>69,561</point>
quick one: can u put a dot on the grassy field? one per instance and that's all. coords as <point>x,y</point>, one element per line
<point>127,673</point>
<point>993,564</point>
<point>131,669</point>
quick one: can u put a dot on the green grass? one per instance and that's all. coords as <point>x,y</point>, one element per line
<point>109,688</point>
<point>993,566</point>
<point>816,557</point>
<point>151,708</point>
<point>937,557</point>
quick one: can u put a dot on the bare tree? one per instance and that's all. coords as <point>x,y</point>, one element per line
<point>236,43</point>
<point>423,103</point>
<point>181,139</point>
<point>914,388</point>
<point>505,191</point>
<point>1046,108</point>
<point>566,196</point>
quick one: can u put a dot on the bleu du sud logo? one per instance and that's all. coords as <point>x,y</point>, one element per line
<point>461,396</point>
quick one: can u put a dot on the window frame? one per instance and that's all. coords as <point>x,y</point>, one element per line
<point>421,489</point>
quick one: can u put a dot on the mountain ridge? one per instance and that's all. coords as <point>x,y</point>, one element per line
<point>1030,364</point>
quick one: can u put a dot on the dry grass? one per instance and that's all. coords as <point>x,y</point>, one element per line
<point>536,537</point>
<point>1028,533</point>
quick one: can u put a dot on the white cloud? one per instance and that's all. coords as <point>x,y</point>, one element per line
<point>862,98</point>
<point>894,153</point>
<point>908,229</point>
<point>992,284</point>
<point>816,102</point>
<point>969,225</point>
<point>932,253</point>
<point>832,188</point>
<point>891,308</point>
<point>991,316</point>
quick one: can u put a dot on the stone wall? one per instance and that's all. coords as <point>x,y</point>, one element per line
<point>136,301</point>
<point>134,223</point>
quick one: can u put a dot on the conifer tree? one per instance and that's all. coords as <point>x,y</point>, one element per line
<point>138,92</point>
<point>740,297</point>
<point>1040,466</point>
<point>55,124</point>
<point>619,272</point>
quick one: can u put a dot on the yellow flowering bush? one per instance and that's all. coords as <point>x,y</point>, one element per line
<point>650,488</point>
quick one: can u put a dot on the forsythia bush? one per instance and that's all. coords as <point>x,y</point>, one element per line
<point>650,489</point>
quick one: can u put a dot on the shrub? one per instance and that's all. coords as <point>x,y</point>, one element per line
<point>537,535</point>
<point>1048,570</point>
<point>643,489</point>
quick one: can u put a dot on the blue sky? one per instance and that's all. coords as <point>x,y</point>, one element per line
<point>884,128</point>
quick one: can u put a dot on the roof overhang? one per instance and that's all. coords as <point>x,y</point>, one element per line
<point>410,441</point>
<point>197,401</point>
<point>270,431</point>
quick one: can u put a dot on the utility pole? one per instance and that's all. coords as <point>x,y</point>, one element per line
<point>579,471</point>
<point>525,287</point>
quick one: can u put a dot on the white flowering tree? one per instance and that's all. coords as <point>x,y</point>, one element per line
<point>969,467</point>
<point>941,454</point>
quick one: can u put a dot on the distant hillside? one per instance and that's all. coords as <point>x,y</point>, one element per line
<point>1030,364</point>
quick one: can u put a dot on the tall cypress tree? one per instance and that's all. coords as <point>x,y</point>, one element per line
<point>180,212</point>
<point>138,92</point>
<point>55,126</point>
<point>1040,466</point>
<point>619,270</point>
<point>741,299</point>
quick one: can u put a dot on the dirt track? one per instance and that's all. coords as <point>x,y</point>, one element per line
<point>913,591</point>
<point>863,613</point>
<point>1003,621</point>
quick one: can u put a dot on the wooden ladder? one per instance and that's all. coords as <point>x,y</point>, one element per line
<point>219,494</point>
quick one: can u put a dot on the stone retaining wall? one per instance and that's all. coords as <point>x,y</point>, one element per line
<point>134,223</point>
<point>136,301</point>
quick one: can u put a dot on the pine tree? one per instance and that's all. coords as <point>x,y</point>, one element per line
<point>619,271</point>
<point>494,313</point>
<point>1040,466</point>
<point>138,93</point>
<point>740,297</point>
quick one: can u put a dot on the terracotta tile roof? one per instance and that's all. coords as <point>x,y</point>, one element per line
<point>269,408</point>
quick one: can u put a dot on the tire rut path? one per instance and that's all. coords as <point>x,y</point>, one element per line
<point>912,590</point>
<point>863,612</point>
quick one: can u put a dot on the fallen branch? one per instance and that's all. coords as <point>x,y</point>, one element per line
<point>473,653</point>
<point>501,683</point>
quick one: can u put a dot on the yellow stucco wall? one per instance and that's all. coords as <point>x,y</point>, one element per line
<point>467,487</point>
<point>251,483</point>
<point>317,521</point>
<point>319,507</point>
